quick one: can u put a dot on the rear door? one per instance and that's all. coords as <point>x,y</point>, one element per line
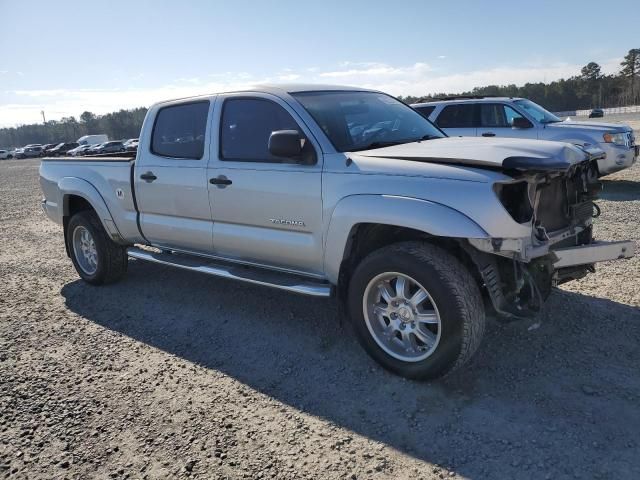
<point>266,210</point>
<point>458,119</point>
<point>496,120</point>
<point>171,178</point>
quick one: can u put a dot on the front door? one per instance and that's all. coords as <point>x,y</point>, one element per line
<point>496,120</point>
<point>171,179</point>
<point>266,210</point>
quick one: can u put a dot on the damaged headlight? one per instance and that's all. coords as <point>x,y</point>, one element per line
<point>517,199</point>
<point>616,138</point>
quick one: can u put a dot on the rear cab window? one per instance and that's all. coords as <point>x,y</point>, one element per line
<point>179,130</point>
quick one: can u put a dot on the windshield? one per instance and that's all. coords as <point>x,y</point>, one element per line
<point>537,112</point>
<point>364,120</point>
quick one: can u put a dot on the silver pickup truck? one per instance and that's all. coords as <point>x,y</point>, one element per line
<point>335,191</point>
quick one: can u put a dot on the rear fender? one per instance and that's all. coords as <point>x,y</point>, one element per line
<point>432,218</point>
<point>70,186</point>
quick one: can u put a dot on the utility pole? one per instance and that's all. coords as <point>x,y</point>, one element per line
<point>44,120</point>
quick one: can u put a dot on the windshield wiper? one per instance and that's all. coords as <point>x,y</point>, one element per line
<point>377,144</point>
<point>427,137</point>
<point>381,144</point>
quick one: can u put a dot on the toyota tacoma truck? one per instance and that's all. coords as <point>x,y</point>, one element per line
<point>478,116</point>
<point>346,193</point>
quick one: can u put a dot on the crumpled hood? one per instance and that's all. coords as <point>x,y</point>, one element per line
<point>589,126</point>
<point>498,153</point>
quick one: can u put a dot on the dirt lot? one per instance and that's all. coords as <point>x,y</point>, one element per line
<point>172,374</point>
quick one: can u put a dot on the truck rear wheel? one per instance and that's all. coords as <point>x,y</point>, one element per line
<point>97,259</point>
<point>416,310</point>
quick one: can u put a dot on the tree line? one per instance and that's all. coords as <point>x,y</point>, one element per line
<point>117,125</point>
<point>589,89</point>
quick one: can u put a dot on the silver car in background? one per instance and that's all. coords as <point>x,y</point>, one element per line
<point>522,118</point>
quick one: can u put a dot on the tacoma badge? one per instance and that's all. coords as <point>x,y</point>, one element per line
<point>284,221</point>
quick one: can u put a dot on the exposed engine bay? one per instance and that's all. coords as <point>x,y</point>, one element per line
<point>559,205</point>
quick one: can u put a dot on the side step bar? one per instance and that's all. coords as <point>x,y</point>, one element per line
<point>257,276</point>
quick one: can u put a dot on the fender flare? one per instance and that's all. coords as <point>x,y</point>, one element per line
<point>68,186</point>
<point>423,215</point>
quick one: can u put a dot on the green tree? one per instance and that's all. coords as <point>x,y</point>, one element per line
<point>630,68</point>
<point>591,72</point>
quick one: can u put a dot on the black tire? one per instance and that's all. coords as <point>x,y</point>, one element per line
<point>112,258</point>
<point>450,286</point>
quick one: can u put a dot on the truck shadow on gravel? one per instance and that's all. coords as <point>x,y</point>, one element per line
<point>556,396</point>
<point>620,190</point>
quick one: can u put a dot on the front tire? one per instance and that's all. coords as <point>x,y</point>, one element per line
<point>416,310</point>
<point>97,259</point>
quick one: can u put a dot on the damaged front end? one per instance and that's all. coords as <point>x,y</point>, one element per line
<point>556,199</point>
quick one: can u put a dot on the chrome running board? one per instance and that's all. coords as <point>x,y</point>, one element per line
<point>257,276</point>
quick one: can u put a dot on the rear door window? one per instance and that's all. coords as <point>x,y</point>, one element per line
<point>179,130</point>
<point>457,116</point>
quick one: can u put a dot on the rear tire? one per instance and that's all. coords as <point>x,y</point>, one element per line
<point>97,259</point>
<point>431,325</point>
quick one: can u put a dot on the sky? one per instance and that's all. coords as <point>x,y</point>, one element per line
<point>65,57</point>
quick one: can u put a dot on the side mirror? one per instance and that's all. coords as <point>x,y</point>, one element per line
<point>521,122</point>
<point>285,143</point>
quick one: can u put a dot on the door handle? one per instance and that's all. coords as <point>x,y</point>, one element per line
<point>221,181</point>
<point>148,177</point>
<point>488,134</point>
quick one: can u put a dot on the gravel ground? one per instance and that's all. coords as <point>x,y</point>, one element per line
<point>172,374</point>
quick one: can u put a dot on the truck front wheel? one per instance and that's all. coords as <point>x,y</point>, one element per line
<point>416,309</point>
<point>97,258</point>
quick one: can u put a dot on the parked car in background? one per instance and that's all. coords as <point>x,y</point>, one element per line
<point>521,118</point>
<point>348,192</point>
<point>114,146</point>
<point>92,139</point>
<point>48,147</point>
<point>93,149</point>
<point>131,145</point>
<point>5,154</point>
<point>61,149</point>
<point>29,152</point>
<point>596,113</point>
<point>77,151</point>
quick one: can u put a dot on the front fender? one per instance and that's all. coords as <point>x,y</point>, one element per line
<point>423,215</point>
<point>68,186</point>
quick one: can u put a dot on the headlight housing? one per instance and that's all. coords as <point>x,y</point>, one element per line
<point>615,138</point>
<point>517,199</point>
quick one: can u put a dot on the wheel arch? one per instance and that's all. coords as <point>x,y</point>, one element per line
<point>362,223</point>
<point>78,195</point>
